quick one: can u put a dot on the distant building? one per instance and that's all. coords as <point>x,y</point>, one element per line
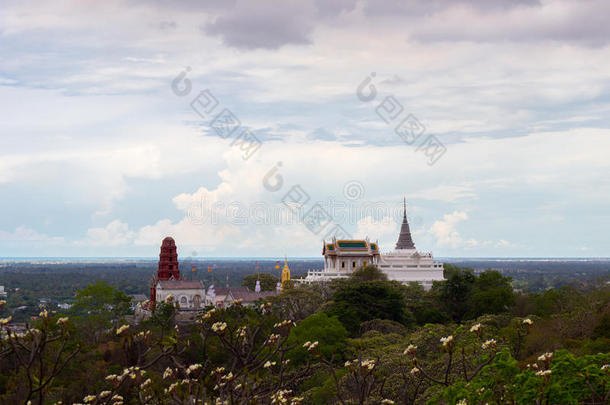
<point>168,269</point>
<point>285,274</point>
<point>225,296</point>
<point>3,293</point>
<point>190,295</point>
<point>137,300</point>
<point>404,264</point>
<point>342,258</point>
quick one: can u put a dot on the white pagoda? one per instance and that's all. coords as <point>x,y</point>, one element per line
<point>406,264</point>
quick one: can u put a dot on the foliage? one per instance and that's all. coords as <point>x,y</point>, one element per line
<point>492,294</point>
<point>555,378</point>
<point>101,300</point>
<point>465,295</point>
<point>358,302</point>
<point>369,273</point>
<point>456,291</point>
<point>294,348</point>
<point>268,281</point>
<point>328,331</point>
<point>299,302</point>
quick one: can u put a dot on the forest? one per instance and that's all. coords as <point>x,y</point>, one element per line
<point>48,283</point>
<point>471,339</point>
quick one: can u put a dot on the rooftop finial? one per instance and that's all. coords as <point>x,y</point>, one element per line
<point>404,239</point>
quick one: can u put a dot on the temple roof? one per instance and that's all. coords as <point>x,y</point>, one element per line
<point>232,290</point>
<point>404,239</point>
<point>249,297</point>
<point>181,285</point>
<point>352,244</point>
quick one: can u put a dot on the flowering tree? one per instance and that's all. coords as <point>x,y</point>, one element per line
<point>254,367</point>
<point>39,354</point>
<point>242,355</point>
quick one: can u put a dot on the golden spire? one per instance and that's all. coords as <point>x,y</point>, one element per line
<point>285,271</point>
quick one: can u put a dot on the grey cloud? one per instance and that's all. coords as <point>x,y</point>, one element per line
<point>166,25</point>
<point>268,24</point>
<point>260,28</point>
<point>496,20</point>
<point>426,7</point>
<point>331,9</point>
<point>190,5</point>
<point>271,25</point>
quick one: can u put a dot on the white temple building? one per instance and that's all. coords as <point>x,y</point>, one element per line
<point>404,264</point>
<point>190,295</point>
<point>341,258</point>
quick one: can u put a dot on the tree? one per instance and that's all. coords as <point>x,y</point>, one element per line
<point>369,273</point>
<point>492,294</point>
<point>456,291</point>
<point>101,298</point>
<point>357,302</point>
<point>98,305</point>
<point>328,331</point>
<point>299,302</point>
<point>268,281</point>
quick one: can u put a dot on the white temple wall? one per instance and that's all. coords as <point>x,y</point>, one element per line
<point>187,298</point>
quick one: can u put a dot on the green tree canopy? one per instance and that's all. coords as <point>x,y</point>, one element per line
<point>328,331</point>
<point>492,294</point>
<point>268,281</point>
<point>355,303</point>
<point>299,302</point>
<point>465,295</point>
<point>100,298</point>
<point>98,305</point>
<point>369,273</point>
<point>456,291</point>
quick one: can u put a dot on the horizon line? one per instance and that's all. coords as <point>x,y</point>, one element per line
<point>9,258</point>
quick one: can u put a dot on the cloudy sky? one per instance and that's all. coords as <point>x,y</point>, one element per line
<point>491,117</point>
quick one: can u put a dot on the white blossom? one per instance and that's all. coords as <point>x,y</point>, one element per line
<point>193,368</point>
<point>411,350</point>
<point>219,327</point>
<point>476,328</point>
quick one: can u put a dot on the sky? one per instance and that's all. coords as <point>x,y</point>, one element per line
<point>261,128</point>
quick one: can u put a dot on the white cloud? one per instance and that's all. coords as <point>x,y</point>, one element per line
<point>446,234</point>
<point>116,233</point>
<point>522,109</point>
<point>24,233</point>
<point>384,230</point>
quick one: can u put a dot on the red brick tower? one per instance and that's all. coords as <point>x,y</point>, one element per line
<point>168,261</point>
<point>168,265</point>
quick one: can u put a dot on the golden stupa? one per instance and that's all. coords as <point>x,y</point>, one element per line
<point>285,272</point>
